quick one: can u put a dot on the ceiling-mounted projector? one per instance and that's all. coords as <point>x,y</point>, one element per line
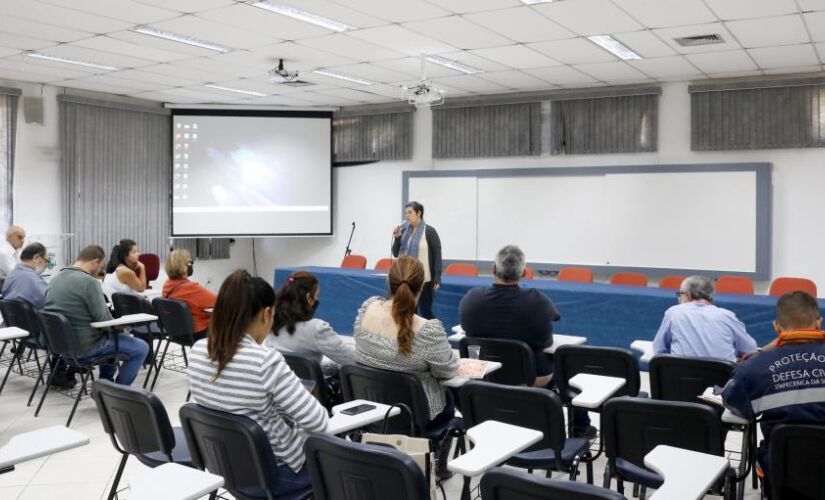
<point>279,73</point>
<point>423,93</point>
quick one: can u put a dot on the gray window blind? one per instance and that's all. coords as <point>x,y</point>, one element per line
<point>758,118</point>
<point>8,130</point>
<point>204,248</point>
<point>115,166</point>
<point>619,124</point>
<point>487,131</point>
<point>372,137</point>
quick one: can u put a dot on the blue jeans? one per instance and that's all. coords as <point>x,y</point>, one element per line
<point>133,349</point>
<point>289,483</point>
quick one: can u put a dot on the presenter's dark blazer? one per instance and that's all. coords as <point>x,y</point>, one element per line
<point>434,250</point>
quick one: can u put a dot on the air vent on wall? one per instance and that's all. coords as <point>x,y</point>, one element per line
<point>693,41</point>
<point>297,83</point>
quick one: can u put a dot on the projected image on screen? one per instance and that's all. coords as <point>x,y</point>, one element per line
<point>248,175</point>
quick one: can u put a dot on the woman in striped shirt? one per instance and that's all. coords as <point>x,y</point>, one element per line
<point>232,370</point>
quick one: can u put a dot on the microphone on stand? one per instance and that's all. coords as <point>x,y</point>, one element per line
<point>348,250</point>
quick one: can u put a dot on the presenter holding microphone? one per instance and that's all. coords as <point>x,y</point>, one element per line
<point>418,240</point>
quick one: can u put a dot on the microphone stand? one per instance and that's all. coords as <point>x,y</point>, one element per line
<point>348,250</point>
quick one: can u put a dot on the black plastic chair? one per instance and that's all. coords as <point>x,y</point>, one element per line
<point>343,470</point>
<point>62,342</point>
<point>129,303</point>
<point>137,423</point>
<point>797,459</point>
<point>178,328</point>
<point>309,369</point>
<point>533,408</point>
<point>518,367</point>
<point>505,484</point>
<point>390,387</point>
<point>570,360</point>
<point>21,315</point>
<point>679,378</point>
<point>234,447</point>
<point>632,427</point>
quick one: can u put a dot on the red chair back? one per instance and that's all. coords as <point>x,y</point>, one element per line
<point>629,279</point>
<point>671,282</point>
<point>151,261</point>
<point>461,269</point>
<point>580,274</point>
<point>781,286</point>
<point>528,273</point>
<point>354,262</point>
<point>734,284</point>
<point>384,264</point>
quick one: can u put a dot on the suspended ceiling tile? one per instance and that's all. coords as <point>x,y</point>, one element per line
<point>669,35</point>
<point>345,45</point>
<point>458,32</point>
<point>589,17</point>
<point>574,51</point>
<point>124,10</point>
<point>114,46</point>
<point>723,62</point>
<point>787,56</point>
<point>666,67</point>
<point>402,40</point>
<point>645,43</point>
<point>216,32</point>
<point>665,13</point>
<point>612,72</point>
<point>562,75</point>
<point>270,24</point>
<point>521,24</point>
<point>516,56</point>
<point>728,10</point>
<point>397,12</point>
<point>768,32</point>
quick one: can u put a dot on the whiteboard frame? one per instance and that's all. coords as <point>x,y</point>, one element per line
<point>764,207</point>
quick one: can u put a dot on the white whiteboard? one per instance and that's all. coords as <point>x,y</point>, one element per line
<point>691,220</point>
<point>704,220</point>
<point>450,207</point>
<point>539,214</point>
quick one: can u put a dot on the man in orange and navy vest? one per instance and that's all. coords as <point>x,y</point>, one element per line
<point>785,384</point>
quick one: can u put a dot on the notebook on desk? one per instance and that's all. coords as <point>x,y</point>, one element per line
<point>472,368</point>
<point>711,397</point>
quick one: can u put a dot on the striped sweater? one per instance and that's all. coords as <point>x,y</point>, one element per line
<point>258,383</point>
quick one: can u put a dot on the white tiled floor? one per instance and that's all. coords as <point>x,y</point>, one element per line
<point>85,473</point>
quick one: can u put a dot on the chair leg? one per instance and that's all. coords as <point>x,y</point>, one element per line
<point>589,468</point>
<point>39,379</point>
<point>636,490</point>
<point>620,485</point>
<point>465,490</point>
<point>116,481</point>
<point>188,395</point>
<point>55,369</point>
<point>160,365</point>
<point>153,364</point>
<point>83,378</point>
<point>607,478</point>
<point>17,354</point>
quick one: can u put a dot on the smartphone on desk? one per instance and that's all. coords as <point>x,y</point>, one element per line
<point>355,410</point>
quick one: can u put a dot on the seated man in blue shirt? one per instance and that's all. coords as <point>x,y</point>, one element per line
<point>24,282</point>
<point>507,311</point>
<point>785,385</point>
<point>696,327</point>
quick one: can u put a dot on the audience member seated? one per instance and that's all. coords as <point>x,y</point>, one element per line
<point>10,250</point>
<point>507,311</point>
<point>785,385</point>
<point>390,336</point>
<point>24,283</point>
<point>76,294</point>
<point>124,272</point>
<point>231,370</point>
<point>696,327</point>
<point>178,286</point>
<point>296,329</point>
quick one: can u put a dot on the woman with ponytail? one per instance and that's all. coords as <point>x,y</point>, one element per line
<point>297,331</point>
<point>232,371</point>
<point>391,336</point>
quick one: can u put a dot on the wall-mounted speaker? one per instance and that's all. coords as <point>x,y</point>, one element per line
<point>33,110</point>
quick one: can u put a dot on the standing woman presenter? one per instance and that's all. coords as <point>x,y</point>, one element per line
<point>418,240</point>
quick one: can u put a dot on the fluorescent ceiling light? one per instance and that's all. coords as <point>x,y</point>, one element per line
<point>237,91</point>
<point>614,46</point>
<point>38,55</point>
<point>302,15</point>
<point>348,78</point>
<point>458,66</point>
<point>534,2</point>
<point>166,35</point>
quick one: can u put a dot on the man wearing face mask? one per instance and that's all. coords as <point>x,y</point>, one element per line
<point>179,268</point>
<point>24,282</point>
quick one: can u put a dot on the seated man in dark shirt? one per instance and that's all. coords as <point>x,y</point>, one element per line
<point>507,311</point>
